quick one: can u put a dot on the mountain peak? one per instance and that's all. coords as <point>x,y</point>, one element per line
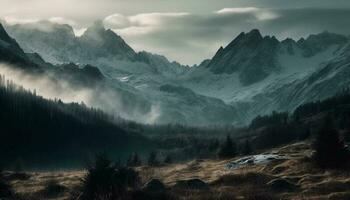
<point>250,39</point>
<point>255,33</point>
<point>250,54</point>
<point>316,43</point>
<point>106,42</point>
<point>328,37</point>
<point>95,29</point>
<point>98,25</point>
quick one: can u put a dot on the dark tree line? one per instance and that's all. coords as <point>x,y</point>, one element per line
<point>330,150</point>
<point>228,149</point>
<point>280,128</point>
<point>275,118</point>
<point>40,131</point>
<point>338,106</point>
<point>161,131</point>
<point>327,121</point>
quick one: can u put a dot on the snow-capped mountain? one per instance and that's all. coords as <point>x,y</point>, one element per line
<point>98,46</point>
<point>250,55</point>
<point>57,43</point>
<point>102,43</point>
<point>282,67</point>
<point>252,75</point>
<point>136,86</point>
<point>78,80</point>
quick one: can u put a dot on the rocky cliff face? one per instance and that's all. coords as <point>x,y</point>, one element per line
<point>250,55</point>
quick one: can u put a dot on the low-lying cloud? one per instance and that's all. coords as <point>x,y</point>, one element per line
<point>44,86</point>
<point>107,99</point>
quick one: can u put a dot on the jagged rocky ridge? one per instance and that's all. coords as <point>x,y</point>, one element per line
<point>252,75</point>
<point>250,55</point>
<point>290,72</point>
<point>98,46</point>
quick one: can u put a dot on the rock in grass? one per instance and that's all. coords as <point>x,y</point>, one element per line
<point>155,186</point>
<point>281,185</point>
<point>53,189</point>
<point>191,184</point>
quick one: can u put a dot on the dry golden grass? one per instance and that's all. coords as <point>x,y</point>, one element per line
<point>248,182</point>
<point>37,182</point>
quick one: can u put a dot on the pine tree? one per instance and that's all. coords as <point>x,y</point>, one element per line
<point>6,190</point>
<point>213,145</point>
<point>152,159</point>
<point>134,160</point>
<point>104,181</point>
<point>247,148</point>
<point>329,148</point>
<point>228,149</point>
<point>168,159</point>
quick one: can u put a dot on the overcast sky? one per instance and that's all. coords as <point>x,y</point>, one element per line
<point>187,31</point>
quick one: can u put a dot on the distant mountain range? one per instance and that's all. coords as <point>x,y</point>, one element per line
<point>259,74</point>
<point>130,85</point>
<point>253,75</point>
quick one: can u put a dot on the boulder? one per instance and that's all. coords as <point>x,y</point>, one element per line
<point>192,184</point>
<point>155,186</point>
<point>53,189</point>
<point>281,185</point>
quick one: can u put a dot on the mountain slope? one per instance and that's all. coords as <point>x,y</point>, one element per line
<point>284,83</point>
<point>100,42</point>
<point>250,55</point>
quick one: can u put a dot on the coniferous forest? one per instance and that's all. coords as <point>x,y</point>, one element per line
<point>40,131</point>
<point>35,130</point>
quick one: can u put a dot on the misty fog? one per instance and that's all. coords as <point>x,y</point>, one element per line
<point>105,98</point>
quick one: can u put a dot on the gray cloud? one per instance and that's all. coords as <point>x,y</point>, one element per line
<point>187,31</point>
<point>190,38</point>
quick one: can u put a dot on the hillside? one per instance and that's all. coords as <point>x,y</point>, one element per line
<point>259,74</point>
<point>297,176</point>
<point>40,133</point>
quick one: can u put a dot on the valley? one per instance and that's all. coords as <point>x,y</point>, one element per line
<point>86,114</point>
<point>294,177</point>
